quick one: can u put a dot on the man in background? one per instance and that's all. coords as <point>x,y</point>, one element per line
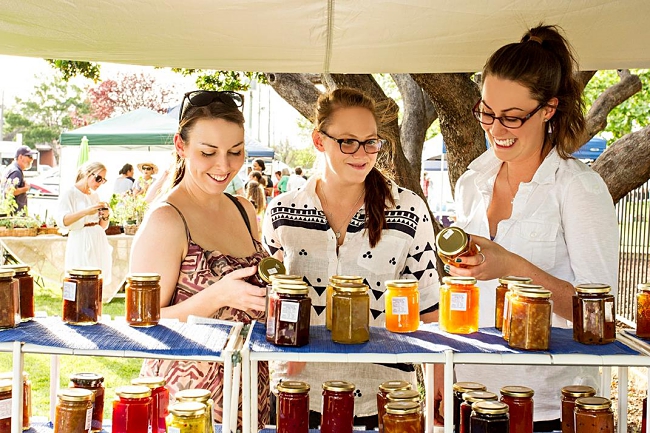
<point>14,175</point>
<point>296,180</point>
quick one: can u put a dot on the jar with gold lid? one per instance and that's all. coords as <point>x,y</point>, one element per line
<point>9,299</point>
<point>142,299</point>
<point>82,296</point>
<point>25,289</point>
<point>403,417</point>
<point>269,314</point>
<point>530,317</point>
<point>643,311</point>
<point>6,386</point>
<point>382,397</point>
<point>292,407</point>
<point>337,407</point>
<point>594,414</point>
<point>350,313</point>
<point>459,389</point>
<point>329,292</point>
<point>470,398</point>
<point>27,397</point>
<point>402,305</point>
<point>95,383</point>
<point>489,417</point>
<point>502,289</point>
<point>267,268</point>
<point>453,242</point>
<point>569,396</point>
<point>159,400</point>
<point>73,412</point>
<point>203,396</point>
<point>459,305</point>
<point>290,305</point>
<point>186,417</point>
<point>520,407</point>
<point>131,409</point>
<point>594,316</point>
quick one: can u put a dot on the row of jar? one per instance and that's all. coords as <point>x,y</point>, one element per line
<point>16,295</point>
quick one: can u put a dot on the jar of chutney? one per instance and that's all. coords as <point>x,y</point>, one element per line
<point>9,300</point>
<point>95,383</point>
<point>27,397</point>
<point>402,305</point>
<point>82,296</point>
<point>142,299</point>
<point>594,414</point>
<point>569,396</point>
<point>520,407</point>
<point>459,305</point>
<point>337,407</point>
<point>382,397</point>
<point>489,417</point>
<point>329,291</point>
<point>291,307</point>
<point>350,313</point>
<point>469,398</point>
<point>643,311</point>
<point>403,417</point>
<point>453,242</point>
<point>502,289</point>
<point>292,407</point>
<point>25,289</point>
<point>459,389</point>
<point>530,317</point>
<point>594,316</point>
<point>73,412</point>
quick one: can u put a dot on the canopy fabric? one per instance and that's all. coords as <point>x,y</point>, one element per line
<point>355,36</point>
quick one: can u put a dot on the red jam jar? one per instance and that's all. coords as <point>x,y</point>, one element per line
<point>73,412</point>
<point>403,417</point>
<point>643,311</point>
<point>520,407</point>
<point>459,389</point>
<point>131,409</point>
<point>82,296</point>
<point>489,417</point>
<point>569,396</point>
<point>382,397</point>
<point>290,307</point>
<point>292,407</point>
<point>159,400</point>
<point>502,289</point>
<point>594,316</point>
<point>26,290</point>
<point>95,383</point>
<point>470,398</point>
<point>338,407</point>
<point>594,414</point>
<point>9,300</point>
<point>453,242</point>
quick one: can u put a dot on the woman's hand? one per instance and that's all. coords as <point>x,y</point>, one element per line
<point>240,294</point>
<point>493,261</point>
<point>96,208</point>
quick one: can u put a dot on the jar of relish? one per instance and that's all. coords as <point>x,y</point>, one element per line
<point>530,317</point>
<point>292,407</point>
<point>25,288</point>
<point>594,316</point>
<point>350,313</point>
<point>402,300</point>
<point>27,397</point>
<point>73,412</point>
<point>159,400</point>
<point>382,397</point>
<point>269,312</point>
<point>403,417</point>
<point>9,300</point>
<point>502,289</point>
<point>520,407</point>
<point>95,383</point>
<point>459,305</point>
<point>82,296</point>
<point>290,309</point>
<point>338,407</point>
<point>186,417</point>
<point>594,414</point>
<point>569,396</point>
<point>489,417</point>
<point>203,396</point>
<point>643,311</point>
<point>459,389</point>
<point>142,299</point>
<point>453,242</point>
<point>131,409</point>
<point>470,398</point>
<point>329,292</point>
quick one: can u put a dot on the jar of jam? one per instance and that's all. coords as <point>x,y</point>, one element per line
<point>569,396</point>
<point>502,289</point>
<point>202,396</point>
<point>459,305</point>
<point>159,400</point>
<point>25,288</point>
<point>382,397</point>
<point>453,242</point>
<point>520,407</point>
<point>142,299</point>
<point>5,405</point>
<point>489,417</point>
<point>530,317</point>
<point>270,294</point>
<point>292,407</point>
<point>470,398</point>
<point>594,414</point>
<point>459,389</point>
<point>9,300</point>
<point>350,313</point>
<point>594,314</point>
<point>402,299</point>
<point>403,417</point>
<point>27,396</point>
<point>642,311</point>
<point>186,417</point>
<point>131,409</point>
<point>334,280</point>
<point>73,413</point>
<point>338,407</point>
<point>95,383</point>
<point>291,312</point>
<point>82,296</point>
<point>267,268</point>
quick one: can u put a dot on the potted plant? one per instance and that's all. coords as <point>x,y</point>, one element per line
<point>128,210</point>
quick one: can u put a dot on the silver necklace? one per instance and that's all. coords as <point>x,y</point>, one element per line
<point>337,233</point>
<point>513,193</point>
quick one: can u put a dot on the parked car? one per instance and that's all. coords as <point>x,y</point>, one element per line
<point>46,183</point>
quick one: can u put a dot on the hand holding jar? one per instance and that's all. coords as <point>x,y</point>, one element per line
<point>235,291</point>
<point>492,262</point>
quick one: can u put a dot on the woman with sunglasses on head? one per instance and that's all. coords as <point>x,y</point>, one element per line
<point>202,242</point>
<point>85,217</point>
<point>352,220</point>
<point>533,209</point>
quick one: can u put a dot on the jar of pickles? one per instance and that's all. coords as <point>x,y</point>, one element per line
<point>520,407</point>
<point>142,299</point>
<point>9,300</point>
<point>489,417</point>
<point>502,289</point>
<point>291,312</point>
<point>594,316</point>
<point>25,289</point>
<point>338,407</point>
<point>350,313</point>
<point>459,389</point>
<point>470,398</point>
<point>569,396</point>
<point>159,400</point>
<point>530,317</point>
<point>453,242</point>
<point>202,396</point>
<point>27,397</point>
<point>334,280</point>
<point>186,417</point>
<point>292,407</point>
<point>643,311</point>
<point>382,397</point>
<point>403,417</point>
<point>459,305</point>
<point>95,383</point>
<point>594,414</point>
<point>131,409</point>
<point>5,405</point>
<point>402,300</point>
<point>82,296</point>
<point>73,412</point>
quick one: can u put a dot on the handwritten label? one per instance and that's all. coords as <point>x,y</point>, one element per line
<point>289,311</point>
<point>69,291</point>
<point>458,302</point>
<point>400,305</point>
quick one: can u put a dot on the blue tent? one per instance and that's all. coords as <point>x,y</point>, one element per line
<point>592,149</point>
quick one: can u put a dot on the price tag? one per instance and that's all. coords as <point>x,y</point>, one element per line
<point>400,305</point>
<point>289,311</point>
<point>5,408</point>
<point>609,311</point>
<point>458,302</point>
<point>173,430</point>
<point>69,291</point>
<point>89,418</point>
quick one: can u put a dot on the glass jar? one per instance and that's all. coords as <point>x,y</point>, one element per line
<point>569,396</point>
<point>82,296</point>
<point>382,397</point>
<point>266,268</point>
<point>95,383</point>
<point>5,405</point>
<point>530,317</point>
<point>203,396</point>
<point>338,407</point>
<point>27,396</point>
<point>644,415</point>
<point>159,400</point>
<point>131,409</point>
<point>459,389</point>
<point>142,299</point>
<point>402,309</point>
<point>453,242</point>
<point>459,305</point>
<point>350,313</point>
<point>25,289</point>
<point>73,413</point>
<point>333,281</point>
<point>272,297</point>
<point>594,414</point>
<point>520,407</point>
<point>403,417</point>
<point>404,395</point>
<point>291,308</point>
<point>502,289</point>
<point>186,417</point>
<point>643,311</point>
<point>489,417</point>
<point>292,407</point>
<point>594,316</point>
<point>9,300</point>
<point>470,398</point>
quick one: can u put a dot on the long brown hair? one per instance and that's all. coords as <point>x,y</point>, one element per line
<point>377,186</point>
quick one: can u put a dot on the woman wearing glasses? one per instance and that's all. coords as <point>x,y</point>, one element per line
<point>85,217</point>
<point>352,220</point>
<point>204,243</point>
<point>142,184</point>
<point>533,209</point>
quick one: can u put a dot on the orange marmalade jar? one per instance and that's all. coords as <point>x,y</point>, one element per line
<point>459,305</point>
<point>402,305</point>
<point>643,311</point>
<point>502,289</point>
<point>453,242</point>
<point>334,280</point>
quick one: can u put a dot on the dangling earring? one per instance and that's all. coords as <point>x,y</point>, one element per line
<point>550,127</point>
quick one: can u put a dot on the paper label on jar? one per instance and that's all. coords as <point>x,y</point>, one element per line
<point>89,418</point>
<point>5,408</point>
<point>69,291</point>
<point>173,430</point>
<point>400,305</point>
<point>448,234</point>
<point>289,311</point>
<point>458,302</point>
<point>273,271</point>
<point>609,311</point>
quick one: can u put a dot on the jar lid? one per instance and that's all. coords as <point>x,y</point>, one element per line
<point>512,279</point>
<point>350,287</point>
<point>270,266</point>
<point>526,286</point>
<point>517,391</point>
<point>451,240</point>
<point>293,387</point>
<point>133,391</point>
<point>489,407</point>
<point>292,277</point>
<point>401,283</point>
<point>197,394</point>
<point>87,379</point>
<point>532,293</point>
<point>404,394</point>
<point>578,391</point>
<point>593,288</point>
<point>402,407</point>
<point>337,279</point>
<point>644,287</point>
<point>469,386</point>
<point>291,287</point>
<point>338,385</point>
<point>75,394</point>
<point>394,385</point>
<point>152,382</point>
<point>18,267</point>
<point>470,281</point>
<point>187,409</point>
<point>5,385</point>
<point>7,273</point>
<point>593,403</point>
<point>473,396</point>
<point>84,271</point>
<point>144,276</point>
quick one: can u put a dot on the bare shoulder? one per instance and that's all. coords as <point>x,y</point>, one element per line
<point>162,225</point>
<point>248,206</point>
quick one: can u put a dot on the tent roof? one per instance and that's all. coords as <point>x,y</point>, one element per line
<point>318,35</point>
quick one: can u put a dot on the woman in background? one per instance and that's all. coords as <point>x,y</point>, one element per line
<point>255,194</point>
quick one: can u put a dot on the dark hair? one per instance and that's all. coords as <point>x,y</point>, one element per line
<point>298,171</point>
<point>261,164</point>
<point>544,63</point>
<point>377,186</point>
<point>126,168</point>
<point>258,177</point>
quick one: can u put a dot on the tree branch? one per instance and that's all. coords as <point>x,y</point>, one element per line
<point>297,89</point>
<point>584,77</point>
<point>414,127</point>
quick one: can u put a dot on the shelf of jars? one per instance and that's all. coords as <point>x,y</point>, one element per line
<point>45,427</point>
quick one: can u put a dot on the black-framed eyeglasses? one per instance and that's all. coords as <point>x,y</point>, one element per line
<point>99,179</point>
<point>350,145</point>
<point>202,98</point>
<point>510,122</point>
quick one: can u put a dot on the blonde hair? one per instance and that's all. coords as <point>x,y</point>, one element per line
<point>89,168</point>
<point>255,194</point>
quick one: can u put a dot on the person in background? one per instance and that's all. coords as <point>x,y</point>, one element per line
<point>425,185</point>
<point>257,177</point>
<point>14,176</point>
<point>534,210</point>
<point>255,194</point>
<point>142,184</point>
<point>124,183</point>
<point>258,165</point>
<point>282,187</point>
<point>296,180</point>
<point>236,186</point>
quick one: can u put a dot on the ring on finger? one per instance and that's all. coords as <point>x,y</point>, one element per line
<point>482,259</point>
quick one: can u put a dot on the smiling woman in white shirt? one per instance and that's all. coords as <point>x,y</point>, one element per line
<point>533,209</point>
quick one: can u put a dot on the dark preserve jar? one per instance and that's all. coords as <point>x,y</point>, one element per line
<point>73,410</point>
<point>82,296</point>
<point>382,397</point>
<point>520,407</point>
<point>453,242</point>
<point>159,401</point>
<point>95,383</point>
<point>27,396</point>
<point>459,389</point>
<point>403,417</point>
<point>643,311</point>
<point>569,396</point>
<point>291,307</point>
<point>489,417</point>
<point>142,300</point>
<point>594,316</point>
<point>269,313</point>
<point>338,407</point>
<point>5,405</point>
<point>644,415</point>
<point>267,268</point>
<point>26,290</point>
<point>9,300</point>
<point>594,414</point>
<point>131,409</point>
<point>469,398</point>
<point>502,289</point>
<point>292,407</point>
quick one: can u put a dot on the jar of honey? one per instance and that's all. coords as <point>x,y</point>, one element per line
<point>459,389</point>
<point>453,242</point>
<point>291,312</point>
<point>403,417</point>
<point>186,417</point>
<point>338,407</point>
<point>594,316</point>
<point>569,396</point>
<point>9,300</point>
<point>159,400</point>
<point>333,281</point>
<point>489,417</point>
<point>459,305</point>
<point>384,389</point>
<point>73,412</point>
<point>95,383</point>
<point>142,299</point>
<point>131,409</point>
<point>470,398</point>
<point>502,289</point>
<point>25,288</point>
<point>27,398</point>
<point>594,414</point>
<point>520,407</point>
<point>643,311</point>
<point>82,296</point>
<point>530,317</point>
<point>350,313</point>
<point>402,300</point>
<point>203,396</point>
<point>292,407</point>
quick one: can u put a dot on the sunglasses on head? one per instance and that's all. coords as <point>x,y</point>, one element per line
<point>98,178</point>
<point>202,98</point>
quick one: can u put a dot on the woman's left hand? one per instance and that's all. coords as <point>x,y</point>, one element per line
<point>493,261</point>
